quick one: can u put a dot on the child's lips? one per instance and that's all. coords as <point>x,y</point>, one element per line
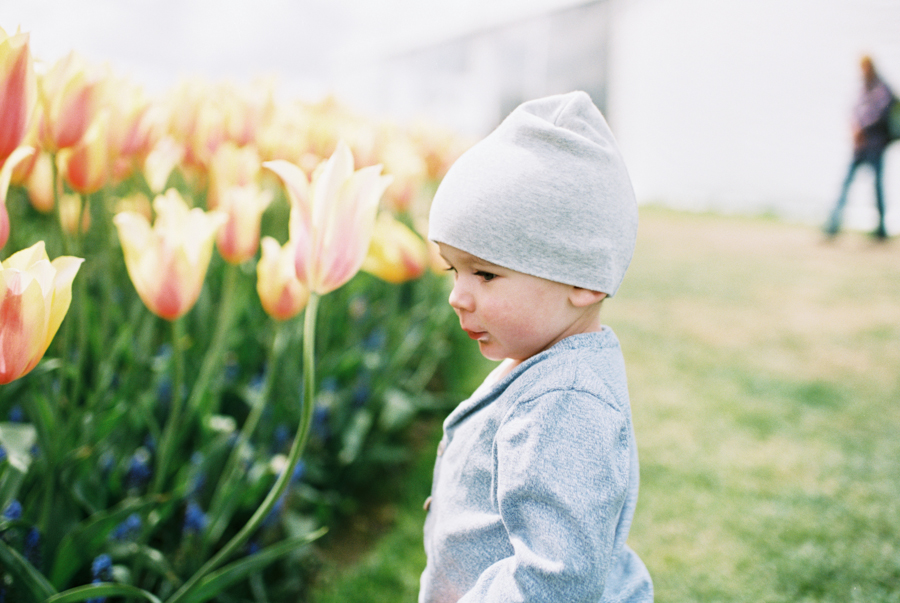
<point>475,334</point>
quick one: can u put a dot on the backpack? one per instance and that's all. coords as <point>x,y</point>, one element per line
<point>893,119</point>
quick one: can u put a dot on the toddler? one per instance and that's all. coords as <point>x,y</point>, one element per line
<point>536,476</point>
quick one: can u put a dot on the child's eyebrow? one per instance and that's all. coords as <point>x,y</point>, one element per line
<point>484,264</point>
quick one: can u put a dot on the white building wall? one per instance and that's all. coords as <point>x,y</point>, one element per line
<point>743,105</point>
<point>473,79</point>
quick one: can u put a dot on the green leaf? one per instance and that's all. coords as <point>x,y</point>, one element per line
<point>216,582</point>
<point>397,412</point>
<point>18,439</point>
<point>103,589</point>
<point>145,556</point>
<point>26,573</point>
<point>86,540</point>
<point>354,436</point>
<point>10,480</point>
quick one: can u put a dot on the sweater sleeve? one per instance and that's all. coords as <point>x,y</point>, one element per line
<point>561,473</point>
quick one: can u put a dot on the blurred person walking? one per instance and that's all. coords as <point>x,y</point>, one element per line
<point>871,135</point>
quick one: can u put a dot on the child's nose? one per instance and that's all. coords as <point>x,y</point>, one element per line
<point>460,299</point>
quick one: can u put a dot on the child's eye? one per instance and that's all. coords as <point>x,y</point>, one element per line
<point>487,276</point>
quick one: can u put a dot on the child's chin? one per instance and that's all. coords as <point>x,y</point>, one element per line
<point>489,353</point>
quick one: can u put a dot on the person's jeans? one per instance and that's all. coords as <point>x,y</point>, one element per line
<point>875,158</point>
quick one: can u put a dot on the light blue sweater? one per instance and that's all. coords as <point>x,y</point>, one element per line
<point>535,485</point>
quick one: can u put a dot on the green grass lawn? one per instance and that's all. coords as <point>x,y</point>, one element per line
<point>764,370</point>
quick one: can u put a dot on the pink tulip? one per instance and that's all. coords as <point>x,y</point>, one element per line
<point>35,294</point>
<point>197,121</point>
<point>230,166</point>
<point>402,159</point>
<point>18,91</point>
<point>87,164</point>
<point>70,94</point>
<point>39,183</point>
<point>167,263</point>
<point>238,240</point>
<point>134,127</point>
<point>5,175</point>
<point>331,219</point>
<point>282,295</point>
<point>160,161</point>
<point>4,225</point>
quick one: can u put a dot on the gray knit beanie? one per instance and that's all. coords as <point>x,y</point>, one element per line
<point>546,194</point>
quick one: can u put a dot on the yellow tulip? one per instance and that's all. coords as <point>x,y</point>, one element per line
<point>70,94</point>
<point>134,127</point>
<point>197,120</point>
<point>396,254</point>
<point>5,175</point>
<point>332,218</point>
<point>238,240</point>
<point>73,215</point>
<point>4,225</point>
<point>35,294</point>
<point>137,203</point>
<point>87,164</point>
<point>18,91</point>
<point>160,162</point>
<point>402,159</point>
<point>282,294</point>
<point>167,263</point>
<point>39,183</point>
<point>230,166</point>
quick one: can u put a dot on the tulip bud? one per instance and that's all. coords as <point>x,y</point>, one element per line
<point>396,254</point>
<point>331,218</point>
<point>39,184</point>
<point>72,213</point>
<point>88,162</point>
<point>282,295</point>
<point>167,263</point>
<point>18,91</point>
<point>160,162</point>
<point>70,95</point>
<point>35,294</point>
<point>5,176</point>
<point>238,240</point>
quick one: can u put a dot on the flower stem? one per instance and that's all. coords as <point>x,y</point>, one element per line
<point>217,509</point>
<point>309,347</point>
<point>173,422</point>
<point>217,347</point>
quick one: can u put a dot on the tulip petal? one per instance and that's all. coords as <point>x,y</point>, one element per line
<point>18,91</point>
<point>300,223</point>
<point>168,262</point>
<point>66,268</point>
<point>396,254</point>
<point>6,171</point>
<point>22,310</point>
<point>23,260</point>
<point>328,180</point>
<point>282,295</point>
<point>332,235</point>
<point>347,231</point>
<point>34,297</point>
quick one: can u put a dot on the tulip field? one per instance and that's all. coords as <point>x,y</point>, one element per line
<point>218,321</point>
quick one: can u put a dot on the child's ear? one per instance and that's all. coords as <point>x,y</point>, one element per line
<point>581,298</point>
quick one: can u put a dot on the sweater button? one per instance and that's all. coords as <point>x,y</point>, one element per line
<point>427,504</point>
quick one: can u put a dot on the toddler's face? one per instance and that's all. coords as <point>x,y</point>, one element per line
<point>511,314</point>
